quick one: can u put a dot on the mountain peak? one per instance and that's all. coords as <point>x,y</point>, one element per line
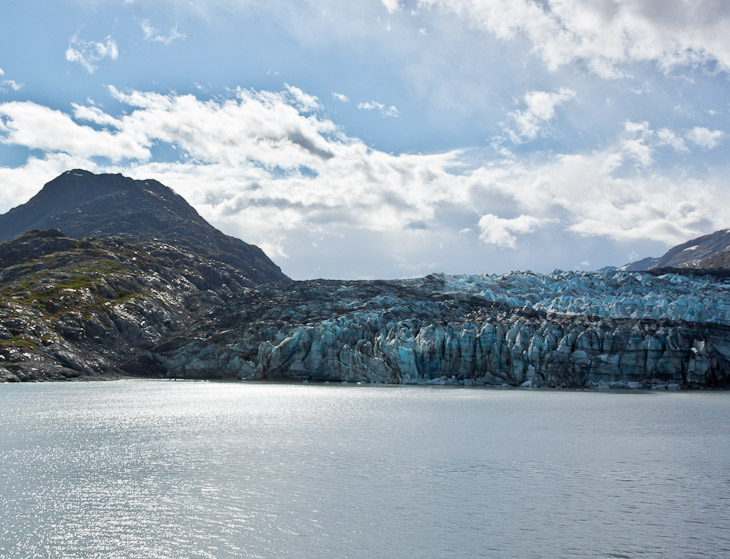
<point>707,251</point>
<point>694,251</point>
<point>84,204</point>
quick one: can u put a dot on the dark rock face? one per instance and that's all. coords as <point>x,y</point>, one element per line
<point>79,307</point>
<point>716,261</point>
<point>696,250</point>
<point>706,252</point>
<point>83,204</point>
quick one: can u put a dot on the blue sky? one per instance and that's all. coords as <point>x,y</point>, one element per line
<point>386,138</point>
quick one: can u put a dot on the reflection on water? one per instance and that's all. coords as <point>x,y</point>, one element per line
<point>221,470</point>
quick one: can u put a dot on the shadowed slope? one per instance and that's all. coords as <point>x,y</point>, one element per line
<point>83,204</point>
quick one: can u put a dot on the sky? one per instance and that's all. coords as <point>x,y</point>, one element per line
<point>387,138</point>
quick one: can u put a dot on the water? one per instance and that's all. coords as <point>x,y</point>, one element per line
<point>155,469</point>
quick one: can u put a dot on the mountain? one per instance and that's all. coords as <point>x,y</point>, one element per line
<point>717,261</point>
<point>704,252</point>
<point>79,307</point>
<point>694,252</point>
<point>640,265</point>
<point>83,204</point>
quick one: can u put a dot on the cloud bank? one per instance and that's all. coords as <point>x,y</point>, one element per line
<point>503,232</point>
<point>608,35</point>
<point>270,167</point>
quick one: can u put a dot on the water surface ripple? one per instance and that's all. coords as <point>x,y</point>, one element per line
<point>158,469</point>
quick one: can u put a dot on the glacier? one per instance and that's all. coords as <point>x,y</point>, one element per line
<point>566,329</point>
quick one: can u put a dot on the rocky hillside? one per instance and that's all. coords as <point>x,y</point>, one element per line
<point>706,252</point>
<point>716,261</point>
<point>83,204</point>
<point>79,308</point>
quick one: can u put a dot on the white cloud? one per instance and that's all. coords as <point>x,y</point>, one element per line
<point>380,107</point>
<point>668,137</point>
<point>634,143</point>
<point>340,97</point>
<point>7,84</point>
<point>704,137</point>
<point>95,115</point>
<point>391,5</point>
<point>11,84</point>
<point>38,127</point>
<point>605,35</point>
<point>617,192</point>
<point>640,141</point>
<point>598,196</point>
<point>270,168</point>
<point>89,53</point>
<point>640,129</point>
<point>152,34</point>
<point>502,232</point>
<point>303,101</point>
<point>539,111</point>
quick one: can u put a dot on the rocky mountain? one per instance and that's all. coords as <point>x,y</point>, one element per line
<point>78,308</point>
<point>83,204</point>
<point>642,265</point>
<point>693,252</point>
<point>701,253</point>
<point>716,261</point>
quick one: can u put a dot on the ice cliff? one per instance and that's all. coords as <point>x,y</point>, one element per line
<point>565,329</point>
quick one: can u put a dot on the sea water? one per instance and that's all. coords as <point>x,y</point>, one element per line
<point>162,469</point>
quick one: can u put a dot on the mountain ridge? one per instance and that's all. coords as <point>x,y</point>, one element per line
<point>84,204</point>
<point>699,253</point>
